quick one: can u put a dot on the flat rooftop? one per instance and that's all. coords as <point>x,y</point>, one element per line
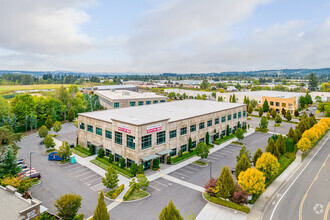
<point>11,205</point>
<point>172,111</point>
<point>268,93</point>
<point>125,94</point>
<point>113,87</point>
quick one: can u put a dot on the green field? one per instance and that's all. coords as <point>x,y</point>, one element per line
<point>13,88</point>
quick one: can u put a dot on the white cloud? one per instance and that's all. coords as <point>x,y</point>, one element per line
<point>44,26</point>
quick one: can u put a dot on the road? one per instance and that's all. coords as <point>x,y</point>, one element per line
<point>306,194</point>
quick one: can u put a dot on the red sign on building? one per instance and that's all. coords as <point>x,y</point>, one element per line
<point>153,128</point>
<point>124,128</point>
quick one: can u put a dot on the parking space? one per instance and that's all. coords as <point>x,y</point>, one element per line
<point>158,185</point>
<point>86,176</point>
<point>284,129</point>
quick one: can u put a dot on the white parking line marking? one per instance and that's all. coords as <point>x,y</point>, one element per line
<point>186,171</point>
<point>91,181</point>
<point>84,173</point>
<point>88,176</point>
<point>214,157</point>
<point>213,161</point>
<point>71,165</point>
<point>154,187</point>
<point>74,168</point>
<point>79,171</point>
<point>98,187</point>
<point>180,173</point>
<point>192,167</point>
<point>160,183</point>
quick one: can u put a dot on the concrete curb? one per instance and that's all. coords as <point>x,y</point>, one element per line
<point>121,200</point>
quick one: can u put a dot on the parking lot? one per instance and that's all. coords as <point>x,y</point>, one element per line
<point>57,180</point>
<point>284,129</point>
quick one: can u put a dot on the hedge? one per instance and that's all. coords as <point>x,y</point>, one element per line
<point>113,194</point>
<point>226,203</point>
<point>129,193</point>
<point>263,130</point>
<point>186,155</point>
<point>105,164</point>
<point>84,152</point>
<point>226,138</point>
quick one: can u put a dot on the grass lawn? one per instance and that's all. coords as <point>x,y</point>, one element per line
<point>50,150</point>
<point>200,163</point>
<point>79,153</point>
<point>11,88</point>
<point>137,194</point>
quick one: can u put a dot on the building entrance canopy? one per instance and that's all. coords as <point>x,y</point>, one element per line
<point>153,156</point>
<point>163,152</point>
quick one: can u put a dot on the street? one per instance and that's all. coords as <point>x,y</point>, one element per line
<point>306,194</point>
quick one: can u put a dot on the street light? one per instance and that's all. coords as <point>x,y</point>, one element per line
<point>31,162</point>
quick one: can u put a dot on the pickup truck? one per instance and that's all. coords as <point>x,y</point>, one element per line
<point>54,156</point>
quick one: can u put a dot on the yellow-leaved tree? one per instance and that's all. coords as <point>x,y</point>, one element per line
<point>326,120</point>
<point>268,164</point>
<point>318,131</point>
<point>252,181</point>
<point>324,124</point>
<point>310,135</point>
<point>304,144</point>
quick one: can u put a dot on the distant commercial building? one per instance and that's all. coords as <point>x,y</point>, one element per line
<point>276,99</point>
<point>13,206</point>
<point>124,98</point>
<point>145,133</point>
<point>133,88</point>
<point>190,93</point>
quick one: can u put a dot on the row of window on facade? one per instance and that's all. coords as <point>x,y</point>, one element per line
<point>133,103</point>
<point>278,104</point>
<point>146,141</point>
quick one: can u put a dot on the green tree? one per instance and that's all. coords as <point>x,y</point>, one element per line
<point>9,164</point>
<point>280,145</point>
<point>49,142</point>
<point>170,213</point>
<point>122,163</point>
<point>57,126</point>
<point>49,122</point>
<point>225,185</point>
<point>312,82</point>
<point>202,150</point>
<point>111,158</point>
<point>290,133</point>
<point>4,108</point>
<point>111,178</point>
<point>249,109</point>
<point>271,146</point>
<point>140,182</point>
<point>43,131</point>
<point>71,115</point>
<point>261,112</point>
<point>207,138</point>
<point>256,156</point>
<point>140,169</point>
<point>278,119</point>
<point>101,211</point>
<point>302,102</point>
<point>204,84</point>
<point>64,150</point>
<point>239,134</point>
<point>190,145</point>
<point>288,116</point>
<point>263,123</point>
<point>246,152</point>
<point>100,153</point>
<point>22,106</point>
<point>296,113</point>
<point>242,165</point>
<point>273,113</point>
<point>133,168</point>
<point>253,103</point>
<point>68,205</point>
<point>268,164</point>
<point>265,106</point>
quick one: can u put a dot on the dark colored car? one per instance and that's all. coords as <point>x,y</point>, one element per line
<point>31,175</point>
<point>23,166</point>
<point>41,142</point>
<point>20,161</point>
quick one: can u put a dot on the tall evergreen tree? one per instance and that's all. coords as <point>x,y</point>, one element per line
<point>271,146</point>
<point>71,115</point>
<point>290,133</point>
<point>49,122</point>
<point>256,156</point>
<point>9,164</point>
<point>312,82</point>
<point>242,165</point>
<point>280,145</point>
<point>265,106</point>
<point>101,211</point>
<point>170,213</point>
<point>225,184</point>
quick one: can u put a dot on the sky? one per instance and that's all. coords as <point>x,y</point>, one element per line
<point>157,36</point>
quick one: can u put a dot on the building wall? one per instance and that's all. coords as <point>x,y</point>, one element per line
<point>139,131</point>
<point>108,103</point>
<point>286,103</point>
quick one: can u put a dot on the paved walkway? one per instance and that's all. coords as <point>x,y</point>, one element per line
<point>212,211</point>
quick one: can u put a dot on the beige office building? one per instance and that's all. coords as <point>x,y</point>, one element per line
<point>144,133</point>
<point>123,98</point>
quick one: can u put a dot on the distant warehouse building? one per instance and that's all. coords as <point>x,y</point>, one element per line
<point>124,98</point>
<point>145,133</point>
<point>133,88</point>
<point>276,99</point>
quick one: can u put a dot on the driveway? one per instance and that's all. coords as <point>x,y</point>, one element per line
<point>284,129</point>
<point>60,179</point>
<point>67,133</point>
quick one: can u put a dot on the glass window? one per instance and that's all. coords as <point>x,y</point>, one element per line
<point>283,104</point>
<point>130,142</point>
<point>201,125</point>
<point>155,101</point>
<point>108,134</point>
<point>146,141</point>
<point>223,132</point>
<point>129,162</point>
<point>183,131</point>
<point>216,121</point>
<point>223,119</point>
<point>277,104</point>
<point>161,137</point>
<point>90,128</point>
<point>173,152</point>
<point>209,123</point>
<point>192,128</point>
<point>118,138</point>
<point>107,152</point>
<point>148,102</point>
<point>239,114</point>
<point>162,100</point>
<point>173,134</point>
<point>132,104</point>
<point>117,157</point>
<point>235,128</point>
<point>82,126</point>
<point>183,148</point>
<point>99,131</point>
<point>116,104</point>
<point>271,103</point>
<point>201,140</point>
<point>235,116</point>
<point>229,117</point>
<point>244,113</point>
<point>140,103</point>
<point>193,144</point>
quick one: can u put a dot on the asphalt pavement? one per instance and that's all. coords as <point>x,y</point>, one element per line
<point>284,129</point>
<point>306,194</point>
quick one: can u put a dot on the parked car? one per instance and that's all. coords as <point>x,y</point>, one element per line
<point>72,145</point>
<point>26,170</point>
<point>31,175</point>
<point>20,161</point>
<point>23,166</point>
<point>42,142</point>
<point>54,156</point>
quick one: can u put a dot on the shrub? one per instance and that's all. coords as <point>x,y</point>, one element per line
<point>239,134</point>
<point>91,149</point>
<point>229,204</point>
<point>278,119</point>
<point>210,186</point>
<point>100,153</point>
<point>225,184</point>
<point>133,168</point>
<point>122,163</point>
<point>117,191</point>
<point>180,153</point>
<point>169,160</point>
<point>240,197</point>
<point>140,169</point>
<point>83,150</point>
<point>111,158</point>
<point>104,163</point>
<point>129,193</point>
<point>155,164</point>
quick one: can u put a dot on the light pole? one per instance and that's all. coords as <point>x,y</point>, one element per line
<point>210,169</point>
<point>31,162</point>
